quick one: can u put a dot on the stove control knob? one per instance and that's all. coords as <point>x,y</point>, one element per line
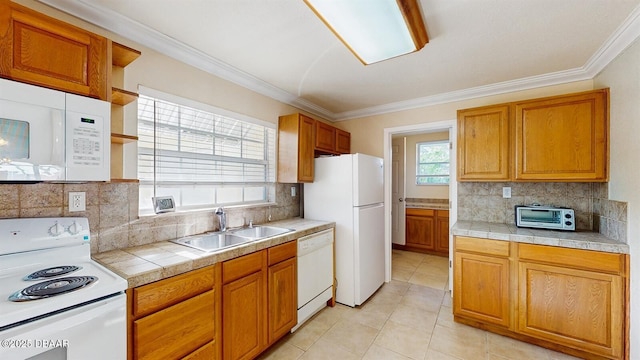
<point>56,230</point>
<point>74,228</point>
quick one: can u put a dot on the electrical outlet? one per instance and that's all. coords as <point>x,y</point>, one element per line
<point>293,191</point>
<point>506,192</point>
<point>77,201</point>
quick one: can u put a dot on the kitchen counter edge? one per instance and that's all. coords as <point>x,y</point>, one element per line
<point>586,240</point>
<point>144,264</point>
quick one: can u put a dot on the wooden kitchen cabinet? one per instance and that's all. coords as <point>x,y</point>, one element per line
<point>484,151</point>
<point>442,232</point>
<point>283,292</point>
<point>481,283</point>
<point>569,300</point>
<point>325,137</point>
<point>562,138</point>
<point>244,299</point>
<point>40,50</point>
<point>176,317</point>
<point>343,142</point>
<point>559,138</point>
<point>259,300</point>
<point>295,148</point>
<point>573,297</point>
<point>420,228</point>
<point>427,230</point>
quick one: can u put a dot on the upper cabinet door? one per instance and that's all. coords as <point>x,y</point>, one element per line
<point>43,51</point>
<point>343,142</point>
<point>562,138</point>
<point>483,144</point>
<point>325,137</point>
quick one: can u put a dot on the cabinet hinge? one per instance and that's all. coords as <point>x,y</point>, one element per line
<point>450,146</point>
<point>450,264</point>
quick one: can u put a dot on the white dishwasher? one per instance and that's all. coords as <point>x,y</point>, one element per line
<point>315,274</point>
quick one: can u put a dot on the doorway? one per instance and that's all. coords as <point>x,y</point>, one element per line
<point>392,193</point>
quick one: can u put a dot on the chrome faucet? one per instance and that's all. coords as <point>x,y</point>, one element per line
<point>222,218</point>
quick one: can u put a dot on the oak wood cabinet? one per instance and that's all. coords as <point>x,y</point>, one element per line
<point>325,137</point>
<point>572,297</point>
<point>559,138</point>
<point>481,280</point>
<point>562,138</point>
<point>283,292</point>
<point>570,300</point>
<point>343,142</point>
<point>420,228</point>
<point>259,300</point>
<point>295,148</point>
<point>176,317</point>
<point>427,230</point>
<point>300,140</point>
<point>442,231</point>
<point>40,50</point>
<point>484,144</point>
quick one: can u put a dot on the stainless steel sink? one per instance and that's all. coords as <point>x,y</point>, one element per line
<point>261,232</point>
<point>212,241</point>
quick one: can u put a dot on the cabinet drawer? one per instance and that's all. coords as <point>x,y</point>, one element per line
<point>206,352</point>
<point>442,213</point>
<point>164,293</point>
<point>483,246</point>
<point>243,266</point>
<point>420,212</point>
<point>282,252</point>
<point>175,331</point>
<point>577,258</point>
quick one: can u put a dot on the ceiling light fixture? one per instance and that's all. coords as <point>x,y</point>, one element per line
<point>374,30</point>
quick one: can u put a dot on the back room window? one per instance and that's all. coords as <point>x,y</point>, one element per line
<point>432,163</point>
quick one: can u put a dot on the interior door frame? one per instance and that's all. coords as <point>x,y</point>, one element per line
<point>447,125</point>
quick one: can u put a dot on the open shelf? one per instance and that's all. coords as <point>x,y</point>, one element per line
<point>122,138</point>
<point>123,55</point>
<point>122,97</point>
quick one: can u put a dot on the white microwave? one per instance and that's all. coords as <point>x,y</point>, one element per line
<point>49,135</point>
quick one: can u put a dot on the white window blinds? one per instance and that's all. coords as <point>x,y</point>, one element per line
<point>202,158</point>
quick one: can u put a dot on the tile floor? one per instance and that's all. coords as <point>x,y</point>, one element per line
<point>408,318</point>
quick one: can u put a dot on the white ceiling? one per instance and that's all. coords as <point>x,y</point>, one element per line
<point>281,49</point>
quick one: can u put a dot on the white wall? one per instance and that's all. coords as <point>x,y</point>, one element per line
<point>423,191</point>
<point>622,76</point>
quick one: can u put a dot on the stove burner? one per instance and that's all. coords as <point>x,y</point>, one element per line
<point>51,272</point>
<point>54,287</point>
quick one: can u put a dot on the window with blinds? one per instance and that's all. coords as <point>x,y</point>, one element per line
<point>202,158</point>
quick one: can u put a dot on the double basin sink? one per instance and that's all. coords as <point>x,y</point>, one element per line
<point>225,239</point>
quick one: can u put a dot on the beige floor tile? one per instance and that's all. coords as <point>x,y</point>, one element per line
<point>445,317</point>
<point>376,352</point>
<point>510,348</point>
<point>323,350</point>
<point>352,336</point>
<point>463,342</point>
<point>401,275</point>
<point>415,317</point>
<point>426,298</point>
<point>553,355</point>
<point>404,340</point>
<point>367,317</point>
<point>435,355</point>
<point>395,287</point>
<point>447,300</point>
<point>429,280</point>
<point>309,333</point>
<point>282,351</point>
<point>405,264</point>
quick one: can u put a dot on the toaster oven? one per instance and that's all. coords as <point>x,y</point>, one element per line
<point>545,217</point>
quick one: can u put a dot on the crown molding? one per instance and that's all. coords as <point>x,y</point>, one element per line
<point>116,23</point>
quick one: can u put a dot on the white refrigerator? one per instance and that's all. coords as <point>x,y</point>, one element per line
<point>348,189</point>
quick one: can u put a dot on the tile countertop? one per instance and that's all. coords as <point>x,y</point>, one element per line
<point>145,264</point>
<point>435,206</point>
<point>586,240</point>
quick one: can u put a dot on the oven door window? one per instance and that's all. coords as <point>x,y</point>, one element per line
<point>540,216</point>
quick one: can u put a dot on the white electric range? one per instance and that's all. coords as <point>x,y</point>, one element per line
<point>55,302</point>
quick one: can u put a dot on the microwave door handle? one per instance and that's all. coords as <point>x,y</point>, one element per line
<point>57,137</point>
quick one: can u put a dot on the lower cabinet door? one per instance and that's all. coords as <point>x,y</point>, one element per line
<point>576,308</point>
<point>283,299</point>
<point>176,331</point>
<point>206,352</point>
<point>244,318</point>
<point>481,288</point>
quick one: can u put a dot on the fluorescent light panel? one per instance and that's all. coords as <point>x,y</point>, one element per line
<point>374,30</point>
